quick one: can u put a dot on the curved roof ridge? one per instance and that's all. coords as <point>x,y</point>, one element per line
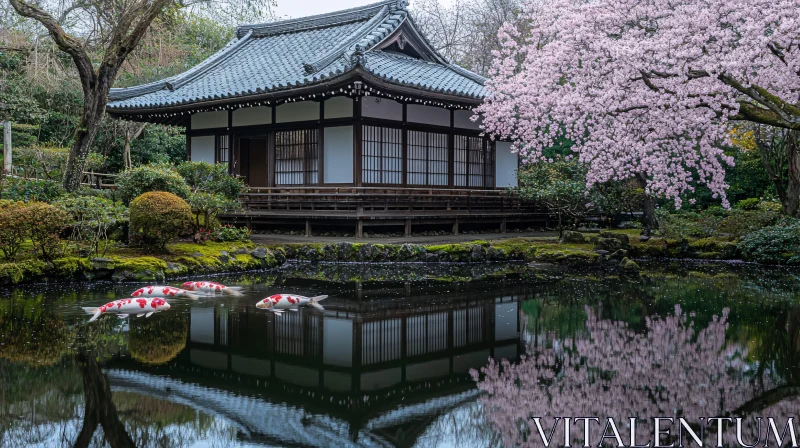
<point>320,20</point>
<point>378,34</point>
<point>176,81</point>
<point>338,50</point>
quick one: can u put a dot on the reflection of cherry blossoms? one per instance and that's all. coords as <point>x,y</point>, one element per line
<point>670,370</point>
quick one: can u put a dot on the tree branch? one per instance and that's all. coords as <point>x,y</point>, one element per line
<point>65,42</point>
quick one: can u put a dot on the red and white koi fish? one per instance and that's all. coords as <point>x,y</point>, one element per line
<point>162,291</point>
<point>211,287</point>
<point>125,307</point>
<point>278,303</point>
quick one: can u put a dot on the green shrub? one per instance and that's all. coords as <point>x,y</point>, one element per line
<point>740,222</point>
<point>45,162</point>
<point>134,182</point>
<point>211,178</point>
<point>687,224</point>
<point>93,218</point>
<point>773,245</point>
<point>45,223</point>
<point>748,204</point>
<point>158,218</point>
<point>206,207</point>
<point>28,190</point>
<point>231,233</point>
<point>13,228</point>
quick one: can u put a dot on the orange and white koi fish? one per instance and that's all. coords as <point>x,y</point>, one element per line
<point>162,291</point>
<point>211,287</point>
<point>125,307</point>
<point>278,303</point>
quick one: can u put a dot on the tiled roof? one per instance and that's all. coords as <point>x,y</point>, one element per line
<point>284,55</point>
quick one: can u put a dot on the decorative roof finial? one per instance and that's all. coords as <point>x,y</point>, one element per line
<point>358,57</point>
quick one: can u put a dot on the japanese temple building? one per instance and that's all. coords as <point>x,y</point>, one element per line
<point>346,117</point>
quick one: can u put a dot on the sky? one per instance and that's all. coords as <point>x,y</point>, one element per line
<point>300,8</point>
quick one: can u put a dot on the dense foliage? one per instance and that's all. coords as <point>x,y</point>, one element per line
<point>560,186</point>
<point>28,190</point>
<point>647,87</point>
<point>13,228</point>
<point>231,233</point>
<point>142,179</point>
<point>158,218</point>
<point>92,219</point>
<point>716,221</point>
<point>772,245</point>
<point>211,178</point>
<point>45,223</point>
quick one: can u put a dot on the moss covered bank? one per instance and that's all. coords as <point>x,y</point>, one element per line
<point>604,249</point>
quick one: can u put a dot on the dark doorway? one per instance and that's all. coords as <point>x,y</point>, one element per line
<point>251,161</point>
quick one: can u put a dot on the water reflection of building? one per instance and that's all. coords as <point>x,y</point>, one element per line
<point>358,371</point>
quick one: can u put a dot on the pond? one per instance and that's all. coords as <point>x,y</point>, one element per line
<point>388,361</point>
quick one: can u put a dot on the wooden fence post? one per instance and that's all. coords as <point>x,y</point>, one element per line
<point>7,147</point>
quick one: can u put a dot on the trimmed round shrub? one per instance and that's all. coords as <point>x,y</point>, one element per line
<point>158,218</point>
<point>134,182</point>
<point>159,339</point>
<point>45,224</point>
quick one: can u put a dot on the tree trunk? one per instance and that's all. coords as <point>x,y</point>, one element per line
<point>94,105</point>
<point>648,207</point>
<point>791,199</point>
<point>99,409</point>
<point>130,135</point>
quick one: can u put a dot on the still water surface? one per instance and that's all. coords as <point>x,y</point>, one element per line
<point>388,362</point>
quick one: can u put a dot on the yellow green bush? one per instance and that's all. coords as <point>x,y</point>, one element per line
<point>158,218</point>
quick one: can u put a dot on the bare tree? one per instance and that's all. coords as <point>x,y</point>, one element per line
<point>99,35</point>
<point>466,31</point>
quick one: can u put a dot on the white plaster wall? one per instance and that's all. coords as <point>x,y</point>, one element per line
<point>505,320</point>
<point>381,108</point>
<point>417,113</point>
<point>426,370</point>
<point>203,149</point>
<point>462,119</point>
<point>337,341</point>
<point>248,116</point>
<point>208,359</point>
<point>202,325</point>
<point>472,360</point>
<point>337,381</point>
<point>505,166</point>
<point>250,366</point>
<point>338,160</point>
<point>339,107</point>
<point>298,111</point>
<point>381,379</point>
<point>213,119</point>
<point>301,376</point>
<point>508,352</point>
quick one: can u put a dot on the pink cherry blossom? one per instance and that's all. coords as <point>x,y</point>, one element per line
<point>644,86</point>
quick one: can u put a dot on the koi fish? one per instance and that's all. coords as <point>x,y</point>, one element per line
<point>211,287</point>
<point>125,307</point>
<point>162,291</point>
<point>277,303</point>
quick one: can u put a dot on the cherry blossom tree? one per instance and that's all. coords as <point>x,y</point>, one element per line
<point>646,89</point>
<point>672,369</point>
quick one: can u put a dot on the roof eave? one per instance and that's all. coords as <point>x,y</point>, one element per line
<point>358,73</point>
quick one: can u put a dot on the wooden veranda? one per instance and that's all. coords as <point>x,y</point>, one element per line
<point>383,206</point>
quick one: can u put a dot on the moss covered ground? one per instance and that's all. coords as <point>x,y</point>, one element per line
<point>185,259</point>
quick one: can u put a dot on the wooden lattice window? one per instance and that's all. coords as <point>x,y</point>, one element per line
<point>297,157</point>
<point>474,162</point>
<point>427,158</point>
<point>222,147</point>
<point>381,155</point>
